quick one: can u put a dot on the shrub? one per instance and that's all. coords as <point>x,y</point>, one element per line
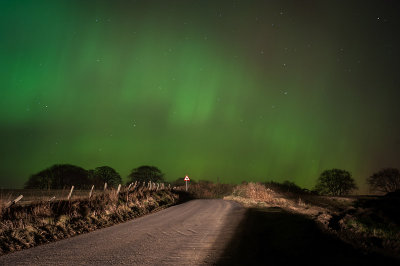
<point>286,186</point>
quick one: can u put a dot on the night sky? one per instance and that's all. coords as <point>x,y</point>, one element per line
<point>240,90</point>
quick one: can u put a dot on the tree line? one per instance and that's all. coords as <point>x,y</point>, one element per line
<point>337,182</point>
<point>333,182</point>
<point>60,176</point>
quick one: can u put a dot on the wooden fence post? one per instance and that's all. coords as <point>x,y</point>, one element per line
<point>10,203</point>
<point>91,191</point>
<point>70,193</point>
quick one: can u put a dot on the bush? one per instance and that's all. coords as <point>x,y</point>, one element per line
<point>286,186</point>
<point>209,190</point>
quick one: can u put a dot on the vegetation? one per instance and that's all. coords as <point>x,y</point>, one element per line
<point>59,176</point>
<point>371,223</point>
<point>181,182</point>
<point>146,173</point>
<point>105,174</point>
<point>335,182</point>
<point>209,190</point>
<point>286,186</point>
<point>46,221</point>
<point>386,180</point>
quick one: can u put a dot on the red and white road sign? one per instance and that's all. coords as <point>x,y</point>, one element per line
<point>186,178</point>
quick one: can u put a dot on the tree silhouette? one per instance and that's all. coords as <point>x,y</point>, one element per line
<point>59,176</point>
<point>386,180</point>
<point>146,173</point>
<point>335,182</point>
<point>105,174</point>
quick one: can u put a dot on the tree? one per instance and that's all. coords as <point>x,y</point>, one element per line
<point>146,173</point>
<point>386,180</point>
<point>335,182</point>
<point>58,176</point>
<point>105,174</point>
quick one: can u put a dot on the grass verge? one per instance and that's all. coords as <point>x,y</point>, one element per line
<point>371,224</point>
<point>42,222</point>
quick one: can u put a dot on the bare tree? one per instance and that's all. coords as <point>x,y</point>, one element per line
<point>386,180</point>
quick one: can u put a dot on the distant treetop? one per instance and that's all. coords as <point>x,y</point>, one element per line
<point>105,174</point>
<point>386,180</point>
<point>335,182</point>
<point>59,176</point>
<point>146,173</point>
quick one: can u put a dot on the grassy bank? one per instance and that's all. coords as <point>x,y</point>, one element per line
<point>24,226</point>
<point>370,224</point>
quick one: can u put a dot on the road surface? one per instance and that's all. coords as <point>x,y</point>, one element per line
<point>193,233</point>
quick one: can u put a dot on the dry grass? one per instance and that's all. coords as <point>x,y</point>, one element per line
<point>362,226</point>
<point>208,190</point>
<point>27,225</point>
<point>259,192</point>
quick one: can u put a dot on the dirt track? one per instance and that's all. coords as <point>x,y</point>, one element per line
<point>193,233</point>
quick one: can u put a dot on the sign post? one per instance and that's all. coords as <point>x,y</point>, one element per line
<point>186,179</point>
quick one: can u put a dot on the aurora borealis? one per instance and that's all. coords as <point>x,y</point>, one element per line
<point>240,90</point>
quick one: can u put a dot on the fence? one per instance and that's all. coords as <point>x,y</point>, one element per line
<point>27,196</point>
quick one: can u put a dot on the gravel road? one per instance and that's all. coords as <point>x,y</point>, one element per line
<point>193,233</point>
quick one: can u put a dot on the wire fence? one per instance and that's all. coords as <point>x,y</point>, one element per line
<point>9,197</point>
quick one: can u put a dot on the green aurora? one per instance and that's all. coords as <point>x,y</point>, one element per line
<point>240,90</point>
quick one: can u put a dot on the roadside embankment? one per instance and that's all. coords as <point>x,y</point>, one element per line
<point>42,222</point>
<point>370,225</point>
